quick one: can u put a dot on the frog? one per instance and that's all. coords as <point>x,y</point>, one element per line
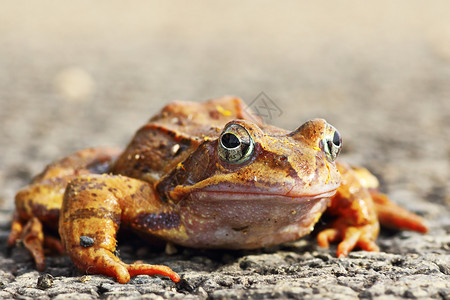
<point>209,175</point>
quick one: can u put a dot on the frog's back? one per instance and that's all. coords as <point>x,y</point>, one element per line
<point>206,119</point>
<point>173,134</point>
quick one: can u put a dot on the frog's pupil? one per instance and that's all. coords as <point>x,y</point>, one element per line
<point>230,141</point>
<point>336,139</point>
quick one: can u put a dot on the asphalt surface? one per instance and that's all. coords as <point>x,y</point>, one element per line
<point>75,75</point>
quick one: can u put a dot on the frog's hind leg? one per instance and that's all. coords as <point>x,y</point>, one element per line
<point>33,238</point>
<point>389,214</point>
<point>395,216</point>
<point>39,203</point>
<point>35,204</point>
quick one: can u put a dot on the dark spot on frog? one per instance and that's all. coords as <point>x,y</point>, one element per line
<point>214,114</point>
<point>185,142</point>
<point>163,197</point>
<point>99,167</point>
<point>142,188</point>
<point>281,158</point>
<point>155,221</point>
<point>170,133</point>
<point>279,163</point>
<point>83,184</point>
<point>240,228</point>
<point>162,144</point>
<point>44,214</point>
<point>86,241</point>
<point>88,213</point>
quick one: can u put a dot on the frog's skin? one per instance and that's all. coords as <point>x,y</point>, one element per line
<point>177,181</point>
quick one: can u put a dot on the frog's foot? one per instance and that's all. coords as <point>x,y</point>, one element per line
<point>32,236</point>
<point>393,215</point>
<point>350,237</point>
<point>33,239</point>
<point>97,260</point>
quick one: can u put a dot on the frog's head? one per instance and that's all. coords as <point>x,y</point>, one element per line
<point>247,162</point>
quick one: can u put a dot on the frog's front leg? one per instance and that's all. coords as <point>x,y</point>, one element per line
<point>360,207</point>
<point>356,224</point>
<point>93,209</point>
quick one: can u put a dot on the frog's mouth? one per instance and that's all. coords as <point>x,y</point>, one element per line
<point>240,193</point>
<point>245,196</point>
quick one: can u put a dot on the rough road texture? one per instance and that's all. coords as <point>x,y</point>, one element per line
<point>74,75</point>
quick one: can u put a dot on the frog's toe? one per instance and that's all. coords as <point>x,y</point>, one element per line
<point>144,269</point>
<point>356,237</point>
<point>33,239</point>
<point>110,265</point>
<point>98,260</point>
<point>365,243</point>
<point>326,236</point>
<point>349,241</point>
<point>349,237</point>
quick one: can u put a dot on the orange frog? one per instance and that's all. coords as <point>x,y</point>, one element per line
<point>203,175</point>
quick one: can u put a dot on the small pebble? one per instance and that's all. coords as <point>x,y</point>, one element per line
<point>85,278</point>
<point>45,281</point>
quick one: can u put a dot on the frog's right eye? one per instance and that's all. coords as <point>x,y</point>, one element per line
<point>235,144</point>
<point>331,143</point>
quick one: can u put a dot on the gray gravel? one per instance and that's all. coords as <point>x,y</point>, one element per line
<point>74,75</point>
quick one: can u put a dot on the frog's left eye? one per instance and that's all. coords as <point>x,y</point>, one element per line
<point>235,144</point>
<point>331,143</point>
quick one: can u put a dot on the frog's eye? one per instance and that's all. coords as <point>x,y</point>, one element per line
<point>235,144</point>
<point>331,143</point>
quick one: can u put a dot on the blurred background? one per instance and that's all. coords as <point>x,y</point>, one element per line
<point>75,74</point>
